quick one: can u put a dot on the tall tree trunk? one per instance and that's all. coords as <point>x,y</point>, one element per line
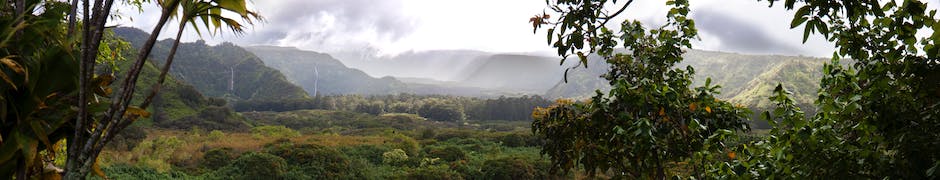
<point>83,151</point>
<point>72,162</point>
<point>166,67</point>
<point>72,13</point>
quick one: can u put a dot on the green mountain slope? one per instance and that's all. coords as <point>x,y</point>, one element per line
<point>745,79</point>
<point>178,105</point>
<point>321,73</point>
<point>223,70</point>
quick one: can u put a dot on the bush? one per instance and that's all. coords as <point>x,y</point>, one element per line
<point>274,132</point>
<point>449,153</point>
<point>442,112</point>
<point>316,161</point>
<point>145,173</point>
<point>209,118</point>
<point>253,165</point>
<point>216,135</point>
<point>519,140</point>
<point>394,157</point>
<point>370,153</point>
<point>129,138</point>
<point>508,168</point>
<point>408,144</point>
<point>434,172</point>
<point>213,101</point>
<point>155,153</point>
<point>217,158</point>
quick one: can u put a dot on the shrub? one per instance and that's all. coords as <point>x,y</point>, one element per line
<point>217,158</point>
<point>155,153</point>
<point>274,132</point>
<point>316,161</point>
<point>394,157</point>
<point>253,165</point>
<point>213,101</point>
<point>216,135</point>
<point>519,140</point>
<point>408,144</point>
<point>135,172</point>
<point>129,138</point>
<point>370,153</point>
<point>209,118</point>
<point>508,168</point>
<point>433,172</point>
<point>428,133</point>
<point>449,153</point>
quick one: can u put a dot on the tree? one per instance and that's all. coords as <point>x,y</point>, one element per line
<point>650,118</point>
<point>91,136</point>
<point>877,118</point>
<point>441,111</point>
<point>35,46</point>
<point>58,107</point>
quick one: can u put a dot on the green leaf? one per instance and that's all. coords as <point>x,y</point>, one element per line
<point>237,6</point>
<point>40,132</point>
<point>797,21</point>
<point>823,29</point>
<point>551,32</point>
<point>807,30</point>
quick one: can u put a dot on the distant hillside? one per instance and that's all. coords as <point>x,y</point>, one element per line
<point>321,73</point>
<point>745,79</point>
<point>224,70</point>
<point>512,73</point>
<point>435,64</point>
<point>179,104</point>
<point>582,82</point>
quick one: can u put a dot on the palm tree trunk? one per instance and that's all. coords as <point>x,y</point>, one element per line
<point>83,151</point>
<point>71,161</point>
<point>72,13</point>
<point>166,67</point>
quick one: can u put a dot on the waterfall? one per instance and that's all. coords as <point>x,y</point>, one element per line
<point>231,80</point>
<point>316,81</point>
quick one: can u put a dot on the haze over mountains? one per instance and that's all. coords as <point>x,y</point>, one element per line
<point>745,79</point>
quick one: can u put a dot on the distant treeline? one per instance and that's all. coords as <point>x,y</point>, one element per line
<point>434,107</point>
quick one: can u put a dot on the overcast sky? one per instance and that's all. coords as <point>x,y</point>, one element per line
<point>394,26</point>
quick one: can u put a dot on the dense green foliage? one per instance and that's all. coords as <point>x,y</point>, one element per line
<point>434,107</point>
<point>405,147</point>
<point>651,117</point>
<point>179,105</point>
<point>38,87</point>
<point>876,115</point>
<point>877,118</point>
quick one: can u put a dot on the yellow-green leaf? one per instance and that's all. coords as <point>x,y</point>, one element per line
<point>136,111</point>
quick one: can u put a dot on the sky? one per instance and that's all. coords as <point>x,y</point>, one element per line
<point>389,27</point>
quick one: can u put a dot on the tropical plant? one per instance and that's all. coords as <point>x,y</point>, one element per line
<point>38,85</point>
<point>208,12</point>
<point>877,118</point>
<point>650,119</point>
<point>93,130</point>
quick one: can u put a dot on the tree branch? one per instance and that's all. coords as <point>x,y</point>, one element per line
<point>607,18</point>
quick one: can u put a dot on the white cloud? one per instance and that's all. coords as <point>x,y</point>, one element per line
<point>394,26</point>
